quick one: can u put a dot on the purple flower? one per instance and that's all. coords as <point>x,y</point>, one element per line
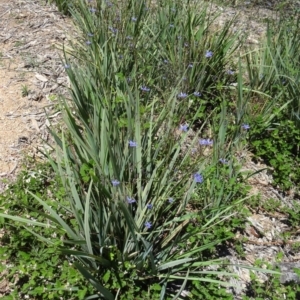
<point>145,89</point>
<point>148,225</point>
<point>245,126</point>
<point>170,200</point>
<point>208,54</point>
<point>92,10</point>
<point>114,30</point>
<point>133,19</point>
<point>132,144</point>
<point>166,61</point>
<point>88,42</point>
<point>66,66</point>
<point>198,178</point>
<point>184,127</point>
<point>182,95</point>
<point>190,65</point>
<point>230,72</point>
<point>115,182</point>
<point>90,34</point>
<point>186,44</point>
<point>130,200</point>
<point>197,94</point>
<point>149,206</point>
<point>223,161</point>
<point>205,142</point>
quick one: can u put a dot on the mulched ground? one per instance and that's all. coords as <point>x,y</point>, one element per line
<point>29,60</point>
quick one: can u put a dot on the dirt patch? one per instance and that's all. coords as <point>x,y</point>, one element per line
<point>31,78</point>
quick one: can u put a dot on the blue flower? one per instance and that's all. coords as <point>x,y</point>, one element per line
<point>133,19</point>
<point>149,206</point>
<point>190,65</point>
<point>148,225</point>
<point>197,94</point>
<point>132,144</point>
<point>208,54</point>
<point>114,30</point>
<point>171,25</point>
<point>130,200</point>
<point>245,126</point>
<point>198,178</point>
<point>230,72</point>
<point>166,61</point>
<point>90,34</point>
<point>145,89</point>
<point>206,142</point>
<point>184,127</point>
<point>66,66</point>
<point>223,161</point>
<point>115,182</point>
<point>182,95</point>
<point>88,42</point>
<point>92,10</point>
<point>170,200</point>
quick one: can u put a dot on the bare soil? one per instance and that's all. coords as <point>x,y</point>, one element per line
<point>31,77</point>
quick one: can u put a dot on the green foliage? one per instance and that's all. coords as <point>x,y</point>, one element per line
<point>276,70</point>
<point>25,90</point>
<point>35,269</point>
<point>272,288</point>
<point>273,73</point>
<point>129,179</point>
<point>278,145</point>
<point>208,291</point>
<point>134,218</point>
<point>63,5</point>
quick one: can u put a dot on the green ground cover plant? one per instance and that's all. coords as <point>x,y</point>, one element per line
<point>274,73</point>
<point>149,184</point>
<point>35,269</point>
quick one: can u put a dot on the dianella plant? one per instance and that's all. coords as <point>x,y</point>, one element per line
<point>143,154</point>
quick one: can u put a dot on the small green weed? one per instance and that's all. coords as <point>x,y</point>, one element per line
<point>25,90</point>
<point>19,43</point>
